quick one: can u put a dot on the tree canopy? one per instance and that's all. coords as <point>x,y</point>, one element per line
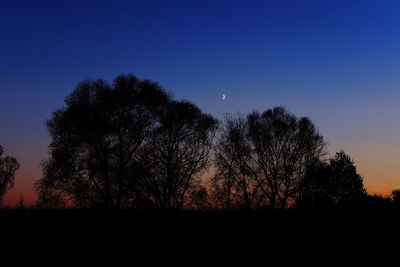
<point>123,145</point>
<point>178,153</point>
<point>129,144</point>
<point>97,140</point>
<point>262,159</point>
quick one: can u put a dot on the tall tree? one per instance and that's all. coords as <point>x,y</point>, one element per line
<point>283,145</point>
<point>96,141</point>
<point>8,168</point>
<point>233,184</point>
<point>178,153</point>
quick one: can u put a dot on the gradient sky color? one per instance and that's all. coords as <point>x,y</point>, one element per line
<point>337,62</point>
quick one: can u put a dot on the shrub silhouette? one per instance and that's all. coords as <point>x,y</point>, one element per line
<point>396,197</point>
<point>332,183</point>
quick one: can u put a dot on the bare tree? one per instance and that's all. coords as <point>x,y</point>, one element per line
<point>8,168</point>
<point>233,184</point>
<point>282,146</point>
<point>178,153</point>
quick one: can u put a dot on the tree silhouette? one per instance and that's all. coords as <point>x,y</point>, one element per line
<point>346,184</point>
<point>315,187</point>
<point>283,145</point>
<point>96,142</point>
<point>233,184</point>
<point>178,153</point>
<point>334,183</point>
<point>396,197</point>
<point>8,168</point>
<point>130,145</point>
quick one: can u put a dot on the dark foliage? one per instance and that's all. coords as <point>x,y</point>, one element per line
<point>333,183</point>
<point>283,145</point>
<point>125,145</point>
<point>261,161</point>
<point>177,154</point>
<point>97,141</point>
<point>8,168</point>
<point>130,145</point>
<point>233,186</point>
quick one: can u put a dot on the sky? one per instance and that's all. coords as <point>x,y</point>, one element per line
<point>336,62</point>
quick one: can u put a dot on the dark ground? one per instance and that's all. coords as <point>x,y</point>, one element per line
<point>282,235</point>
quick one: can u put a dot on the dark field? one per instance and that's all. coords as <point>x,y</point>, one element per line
<point>201,234</point>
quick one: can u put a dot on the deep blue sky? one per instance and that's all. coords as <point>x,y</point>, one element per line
<point>337,62</point>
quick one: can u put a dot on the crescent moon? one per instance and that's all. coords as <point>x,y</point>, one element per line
<point>223,96</point>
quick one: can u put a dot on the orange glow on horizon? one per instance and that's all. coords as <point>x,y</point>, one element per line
<point>24,187</point>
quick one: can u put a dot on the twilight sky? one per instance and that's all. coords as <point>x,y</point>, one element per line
<point>337,62</point>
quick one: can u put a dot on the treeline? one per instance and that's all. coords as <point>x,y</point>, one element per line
<point>130,145</point>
